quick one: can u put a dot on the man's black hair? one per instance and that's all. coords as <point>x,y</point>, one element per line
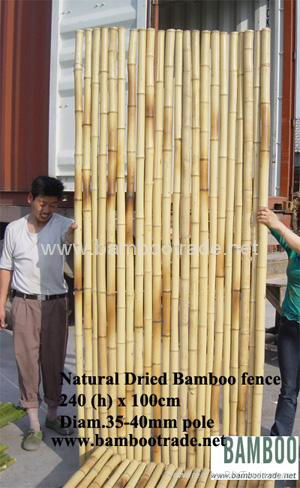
<point>47,186</point>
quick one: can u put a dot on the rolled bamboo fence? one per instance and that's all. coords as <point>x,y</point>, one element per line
<point>167,182</point>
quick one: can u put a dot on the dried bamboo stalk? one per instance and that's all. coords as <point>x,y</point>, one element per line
<point>157,192</point>
<point>111,217</point>
<point>175,478</point>
<point>78,231</point>
<point>94,196</point>
<point>149,149</point>
<point>121,283</point>
<point>262,230</point>
<point>87,226</point>
<point>96,469</point>
<point>167,475</point>
<point>107,469</point>
<point>132,483</point>
<point>93,458</point>
<point>112,482</point>
<point>131,156</point>
<point>139,268</point>
<point>194,478</point>
<point>146,475</point>
<point>213,213</point>
<point>229,224</point>
<point>236,258</point>
<point>218,350</point>
<point>166,224</point>
<point>185,231</point>
<point>204,236</point>
<point>246,227</point>
<point>204,476</point>
<point>101,262</point>
<point>174,357</point>
<point>125,477</point>
<point>254,212</point>
<point>194,268</point>
<point>155,477</point>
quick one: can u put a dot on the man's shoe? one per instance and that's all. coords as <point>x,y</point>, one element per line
<point>56,426</point>
<point>32,440</point>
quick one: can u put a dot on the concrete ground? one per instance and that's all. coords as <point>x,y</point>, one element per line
<point>51,467</point>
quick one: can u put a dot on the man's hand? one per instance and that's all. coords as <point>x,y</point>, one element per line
<point>3,324</point>
<point>69,235</point>
<point>269,218</point>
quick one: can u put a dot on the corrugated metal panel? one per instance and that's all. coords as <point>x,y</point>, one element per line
<point>24,91</point>
<point>238,15</point>
<point>67,17</point>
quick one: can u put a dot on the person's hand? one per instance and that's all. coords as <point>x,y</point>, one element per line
<point>69,235</point>
<point>3,324</point>
<point>269,218</point>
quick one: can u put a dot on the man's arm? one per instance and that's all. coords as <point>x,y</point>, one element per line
<point>5,279</point>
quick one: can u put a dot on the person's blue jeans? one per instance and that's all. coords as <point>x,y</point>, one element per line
<point>289,365</point>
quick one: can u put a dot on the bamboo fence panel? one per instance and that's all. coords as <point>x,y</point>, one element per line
<point>168,180</point>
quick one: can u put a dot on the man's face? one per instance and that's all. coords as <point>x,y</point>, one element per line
<point>43,207</point>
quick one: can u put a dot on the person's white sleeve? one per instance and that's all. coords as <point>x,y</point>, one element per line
<point>6,259</point>
<point>66,224</point>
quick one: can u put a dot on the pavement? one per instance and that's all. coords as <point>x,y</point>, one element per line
<point>51,467</point>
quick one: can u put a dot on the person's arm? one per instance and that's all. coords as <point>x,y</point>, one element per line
<point>284,234</point>
<point>6,270</point>
<point>281,240</point>
<point>5,279</point>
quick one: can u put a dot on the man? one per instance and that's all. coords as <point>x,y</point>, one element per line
<point>32,264</point>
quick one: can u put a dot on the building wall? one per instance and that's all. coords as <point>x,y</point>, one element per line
<point>25,29</point>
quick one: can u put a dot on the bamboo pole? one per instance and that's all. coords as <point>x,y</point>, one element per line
<point>94,196</point>
<point>132,483</point>
<point>254,210</point>
<point>101,263</point>
<point>204,476</point>
<point>213,213</point>
<point>149,147</point>
<point>121,283</point>
<point>194,282</point>
<point>194,478</point>
<point>111,483</point>
<point>166,224</point>
<point>96,469</point>
<point>139,268</point>
<point>155,477</point>
<point>204,235</point>
<point>87,466</point>
<point>174,357</point>
<point>175,478</point>
<point>246,227</point>
<point>262,230</point>
<point>110,216</point>
<point>107,469</point>
<point>168,473</point>
<point>185,232</point>
<point>157,192</point>
<point>146,475</point>
<point>125,477</point>
<point>218,350</point>
<point>237,240</point>
<point>229,225</point>
<point>87,225</point>
<point>78,231</point>
<point>131,156</point>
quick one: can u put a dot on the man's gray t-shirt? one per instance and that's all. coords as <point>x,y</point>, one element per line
<point>37,260</point>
